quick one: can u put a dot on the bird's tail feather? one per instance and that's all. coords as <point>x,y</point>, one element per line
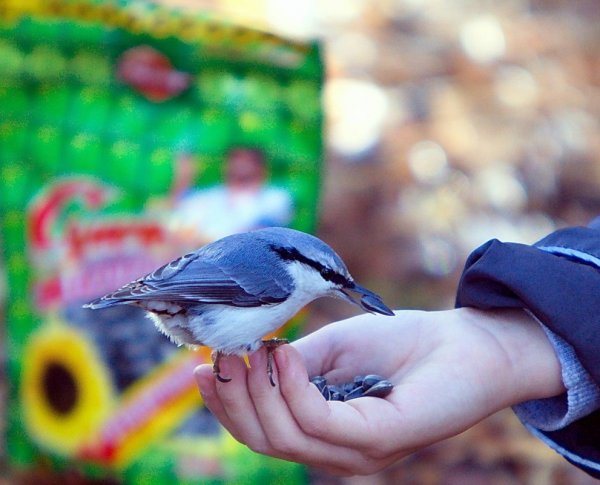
<point>103,302</point>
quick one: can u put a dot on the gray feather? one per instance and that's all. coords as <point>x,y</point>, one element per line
<point>229,271</point>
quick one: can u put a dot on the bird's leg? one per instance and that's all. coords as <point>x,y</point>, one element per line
<point>216,369</point>
<point>271,345</point>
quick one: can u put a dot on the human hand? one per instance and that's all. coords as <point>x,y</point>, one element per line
<point>450,370</point>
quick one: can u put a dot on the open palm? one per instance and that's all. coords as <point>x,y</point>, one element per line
<point>450,370</point>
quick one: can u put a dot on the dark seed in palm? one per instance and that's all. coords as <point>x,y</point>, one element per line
<point>320,382</point>
<point>356,392</point>
<point>348,387</point>
<point>370,380</point>
<point>358,380</point>
<point>371,385</point>
<point>381,389</point>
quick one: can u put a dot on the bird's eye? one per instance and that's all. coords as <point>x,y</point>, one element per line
<point>330,275</point>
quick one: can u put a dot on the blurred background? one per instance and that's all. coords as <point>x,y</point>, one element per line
<point>447,124</point>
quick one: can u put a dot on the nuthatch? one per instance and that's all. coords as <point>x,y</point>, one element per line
<point>232,292</point>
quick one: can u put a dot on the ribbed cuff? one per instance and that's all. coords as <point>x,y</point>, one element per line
<point>581,398</point>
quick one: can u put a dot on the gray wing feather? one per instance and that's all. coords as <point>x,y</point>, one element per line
<point>232,273</point>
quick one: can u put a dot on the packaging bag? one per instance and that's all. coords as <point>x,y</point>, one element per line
<point>130,134</point>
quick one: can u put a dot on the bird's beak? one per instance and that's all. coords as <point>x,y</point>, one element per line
<point>369,301</point>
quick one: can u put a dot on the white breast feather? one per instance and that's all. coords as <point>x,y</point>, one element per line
<point>235,330</point>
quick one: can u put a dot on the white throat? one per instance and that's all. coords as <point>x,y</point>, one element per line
<point>309,284</point>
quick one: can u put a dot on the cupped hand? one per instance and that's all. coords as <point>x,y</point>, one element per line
<point>450,370</point>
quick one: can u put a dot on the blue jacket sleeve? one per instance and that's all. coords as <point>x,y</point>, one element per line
<point>558,281</point>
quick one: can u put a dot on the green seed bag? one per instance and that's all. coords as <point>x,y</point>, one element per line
<point>129,135</point>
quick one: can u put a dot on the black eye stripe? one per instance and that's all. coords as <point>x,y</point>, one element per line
<point>330,275</point>
<point>292,254</point>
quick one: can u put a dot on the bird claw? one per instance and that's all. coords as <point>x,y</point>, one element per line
<point>217,368</point>
<point>220,378</point>
<point>271,345</point>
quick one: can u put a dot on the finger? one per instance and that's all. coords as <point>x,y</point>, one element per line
<point>205,379</point>
<point>359,423</point>
<point>332,351</point>
<point>234,403</point>
<point>207,383</point>
<point>316,351</point>
<point>285,438</point>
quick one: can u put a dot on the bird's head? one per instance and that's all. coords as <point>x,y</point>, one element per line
<point>322,268</point>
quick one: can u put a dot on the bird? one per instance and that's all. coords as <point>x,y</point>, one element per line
<point>232,292</point>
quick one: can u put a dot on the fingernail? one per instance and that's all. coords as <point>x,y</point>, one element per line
<point>199,370</point>
<point>202,378</point>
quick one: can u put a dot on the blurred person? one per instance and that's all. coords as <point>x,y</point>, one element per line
<point>243,202</point>
<point>524,333</point>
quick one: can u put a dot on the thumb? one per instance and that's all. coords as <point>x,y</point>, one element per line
<point>316,351</point>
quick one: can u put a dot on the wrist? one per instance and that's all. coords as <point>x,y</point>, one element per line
<point>526,364</point>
